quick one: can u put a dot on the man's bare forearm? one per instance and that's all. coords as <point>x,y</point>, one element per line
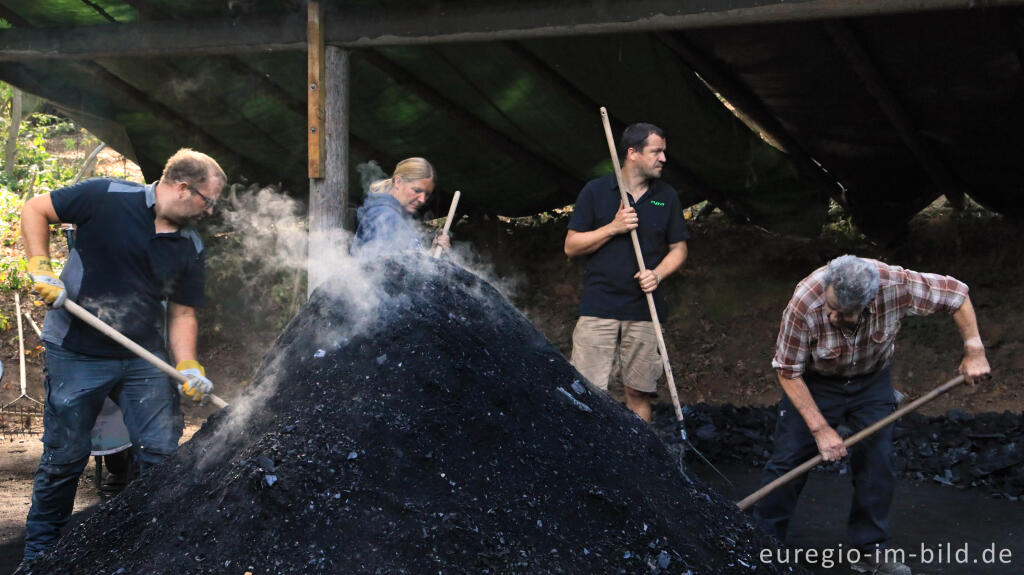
<point>672,261</point>
<point>583,243</point>
<point>36,217</point>
<point>798,393</point>
<point>182,332</point>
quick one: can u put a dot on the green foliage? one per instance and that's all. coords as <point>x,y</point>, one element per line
<point>12,267</point>
<point>12,274</point>
<point>36,167</point>
<point>49,150</point>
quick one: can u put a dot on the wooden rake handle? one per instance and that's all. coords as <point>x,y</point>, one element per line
<point>640,262</point>
<point>448,220</point>
<point>806,466</point>
<point>84,315</point>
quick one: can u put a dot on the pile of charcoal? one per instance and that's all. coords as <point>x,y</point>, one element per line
<point>416,425</point>
<point>985,451</point>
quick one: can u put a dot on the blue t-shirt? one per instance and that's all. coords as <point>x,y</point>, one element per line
<point>610,291</point>
<point>120,269</point>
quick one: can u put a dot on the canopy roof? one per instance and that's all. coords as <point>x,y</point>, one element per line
<point>882,105</point>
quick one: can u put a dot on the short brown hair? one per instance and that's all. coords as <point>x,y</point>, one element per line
<point>188,165</point>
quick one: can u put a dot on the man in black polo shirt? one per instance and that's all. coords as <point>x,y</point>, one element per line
<point>134,248</point>
<point>614,317</point>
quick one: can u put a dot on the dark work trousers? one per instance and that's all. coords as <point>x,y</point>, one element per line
<point>76,386</point>
<point>857,402</point>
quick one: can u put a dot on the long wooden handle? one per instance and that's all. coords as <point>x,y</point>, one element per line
<point>448,220</point>
<point>640,262</point>
<point>35,327</point>
<point>806,466</point>
<point>21,341</point>
<point>84,315</point>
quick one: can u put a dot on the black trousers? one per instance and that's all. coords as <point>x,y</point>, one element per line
<point>858,403</point>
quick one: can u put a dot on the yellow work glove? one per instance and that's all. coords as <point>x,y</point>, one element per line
<point>45,282</point>
<point>197,387</point>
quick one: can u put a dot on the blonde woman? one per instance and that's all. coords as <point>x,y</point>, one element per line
<point>385,219</point>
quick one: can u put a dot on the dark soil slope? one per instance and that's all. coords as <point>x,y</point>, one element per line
<point>427,429</point>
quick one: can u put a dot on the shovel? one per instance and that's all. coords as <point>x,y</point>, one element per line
<point>806,466</point>
<point>82,314</point>
<point>650,301</point>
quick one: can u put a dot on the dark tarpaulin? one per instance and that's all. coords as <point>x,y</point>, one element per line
<point>514,125</point>
<point>957,76</point>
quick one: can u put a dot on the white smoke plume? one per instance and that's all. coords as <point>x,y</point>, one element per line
<point>263,237</point>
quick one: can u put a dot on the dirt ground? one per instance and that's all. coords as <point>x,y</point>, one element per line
<point>18,462</point>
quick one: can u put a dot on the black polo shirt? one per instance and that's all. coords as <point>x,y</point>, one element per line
<point>120,269</point>
<point>610,290</point>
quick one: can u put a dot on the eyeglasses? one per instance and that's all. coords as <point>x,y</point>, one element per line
<point>207,202</point>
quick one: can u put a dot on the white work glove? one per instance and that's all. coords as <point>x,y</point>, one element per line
<point>198,387</point>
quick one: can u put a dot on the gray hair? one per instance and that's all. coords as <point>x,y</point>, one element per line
<point>854,282</point>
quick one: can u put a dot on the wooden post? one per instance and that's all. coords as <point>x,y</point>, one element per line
<point>315,53</point>
<point>328,195</point>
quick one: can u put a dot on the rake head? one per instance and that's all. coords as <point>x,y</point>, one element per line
<point>16,417</point>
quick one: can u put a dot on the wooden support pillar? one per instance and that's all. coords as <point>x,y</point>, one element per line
<point>328,193</point>
<point>315,91</point>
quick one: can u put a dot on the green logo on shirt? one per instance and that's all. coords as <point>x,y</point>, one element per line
<point>657,203</point>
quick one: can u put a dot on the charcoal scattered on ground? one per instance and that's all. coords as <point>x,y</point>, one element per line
<point>984,451</point>
<point>448,437</point>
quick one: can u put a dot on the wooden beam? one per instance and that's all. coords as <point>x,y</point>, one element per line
<point>857,55</point>
<point>712,73</point>
<point>315,95</point>
<point>128,95</point>
<point>99,10</point>
<point>328,195</point>
<point>367,25</point>
<point>156,38</point>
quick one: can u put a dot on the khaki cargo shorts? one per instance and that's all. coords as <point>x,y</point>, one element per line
<point>597,342</point>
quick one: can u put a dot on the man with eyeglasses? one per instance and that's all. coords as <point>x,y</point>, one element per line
<point>134,248</point>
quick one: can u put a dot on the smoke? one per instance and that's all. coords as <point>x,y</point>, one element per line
<point>464,254</point>
<point>267,226</point>
<point>185,88</point>
<point>369,173</point>
<point>257,258</point>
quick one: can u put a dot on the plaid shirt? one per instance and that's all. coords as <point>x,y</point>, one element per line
<point>807,341</point>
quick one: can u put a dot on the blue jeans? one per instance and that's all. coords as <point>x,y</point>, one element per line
<point>859,403</point>
<point>76,386</point>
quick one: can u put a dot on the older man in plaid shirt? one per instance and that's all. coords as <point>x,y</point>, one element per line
<point>833,361</point>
